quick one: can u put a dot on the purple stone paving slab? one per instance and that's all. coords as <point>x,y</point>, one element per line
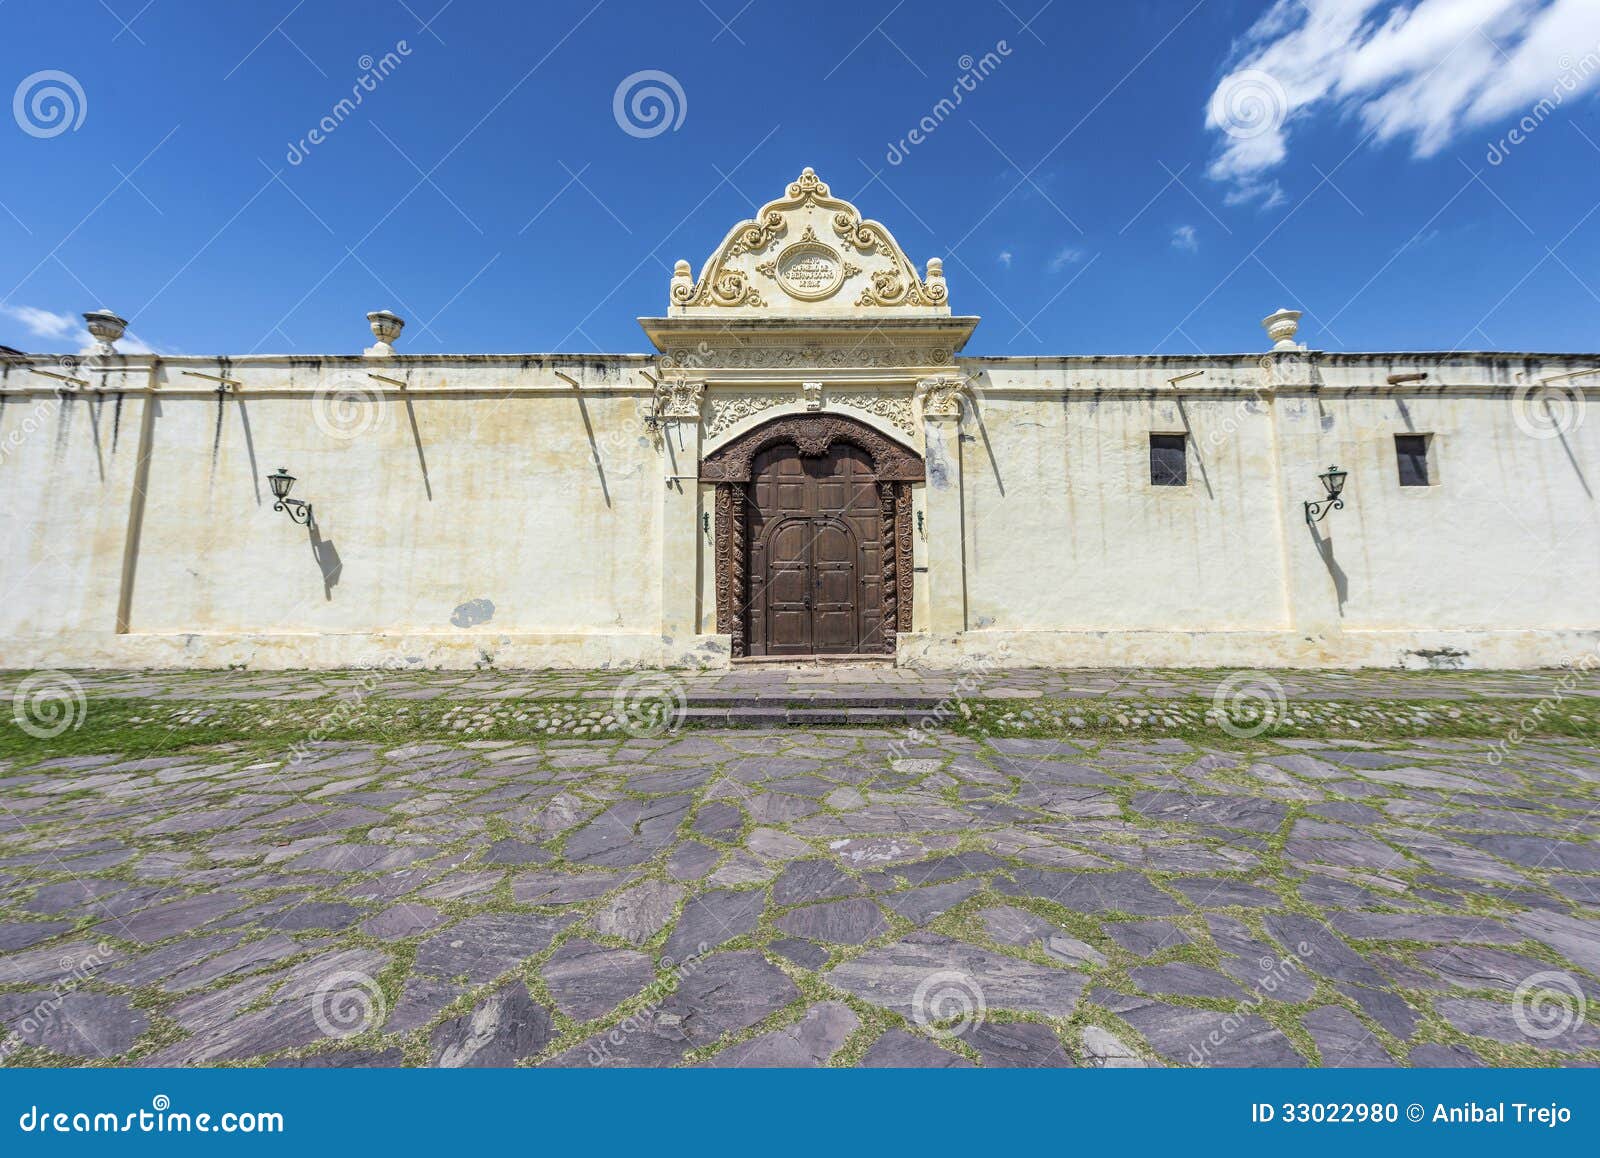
<point>724,993</point>
<point>1017,1045</point>
<point>421,1000</point>
<point>406,919</point>
<point>1199,1037</point>
<point>898,1049</point>
<point>175,917</point>
<point>484,946</point>
<point>589,981</point>
<point>713,919</point>
<point>1092,892</point>
<point>1342,1040</point>
<point>629,832</point>
<point>808,1043</point>
<point>77,1024</point>
<point>501,1030</point>
<point>852,922</point>
<point>895,975</point>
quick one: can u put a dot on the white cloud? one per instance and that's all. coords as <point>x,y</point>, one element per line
<point>1184,238</point>
<point>66,330</point>
<point>1426,71</point>
<point>43,323</point>
<point>1004,258</point>
<point>1064,257</point>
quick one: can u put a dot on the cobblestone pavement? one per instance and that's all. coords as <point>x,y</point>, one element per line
<point>810,681</point>
<point>791,897</point>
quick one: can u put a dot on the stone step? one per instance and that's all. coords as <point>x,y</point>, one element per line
<point>748,715</point>
<point>838,701</point>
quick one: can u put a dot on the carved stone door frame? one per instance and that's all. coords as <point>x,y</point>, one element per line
<point>895,469</point>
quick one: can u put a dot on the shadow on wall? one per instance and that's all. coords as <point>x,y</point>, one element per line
<point>983,432</point>
<point>1341,581</point>
<point>327,557</point>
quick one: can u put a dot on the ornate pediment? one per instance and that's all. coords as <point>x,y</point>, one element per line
<point>809,254</point>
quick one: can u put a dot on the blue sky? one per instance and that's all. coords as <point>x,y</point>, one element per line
<point>1138,177</point>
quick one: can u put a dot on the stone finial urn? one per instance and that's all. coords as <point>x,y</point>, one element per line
<point>105,328</point>
<point>682,289</point>
<point>1281,327</point>
<point>386,327</point>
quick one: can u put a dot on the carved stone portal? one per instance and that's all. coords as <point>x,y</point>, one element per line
<point>894,467</point>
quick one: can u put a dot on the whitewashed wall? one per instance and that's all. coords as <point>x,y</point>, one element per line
<point>463,519</point>
<point>1073,557</point>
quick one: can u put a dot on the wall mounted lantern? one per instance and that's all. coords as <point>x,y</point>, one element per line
<point>280,483</point>
<point>1333,482</point>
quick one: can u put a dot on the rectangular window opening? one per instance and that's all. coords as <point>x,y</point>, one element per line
<point>1169,465</point>
<point>1411,452</point>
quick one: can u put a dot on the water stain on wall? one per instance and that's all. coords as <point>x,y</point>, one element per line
<point>472,613</point>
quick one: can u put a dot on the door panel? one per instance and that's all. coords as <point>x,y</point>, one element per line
<point>788,588</point>
<point>816,566</point>
<point>833,583</point>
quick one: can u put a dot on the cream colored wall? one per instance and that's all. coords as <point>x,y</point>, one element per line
<point>508,509</point>
<point>1064,529</point>
<point>1506,537</point>
<point>1072,557</point>
<point>476,483</point>
<point>67,466</point>
<point>481,483</point>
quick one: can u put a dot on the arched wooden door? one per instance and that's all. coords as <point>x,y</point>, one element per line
<point>813,541</point>
<point>816,542</point>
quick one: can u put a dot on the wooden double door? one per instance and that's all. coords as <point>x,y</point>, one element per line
<point>816,553</point>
